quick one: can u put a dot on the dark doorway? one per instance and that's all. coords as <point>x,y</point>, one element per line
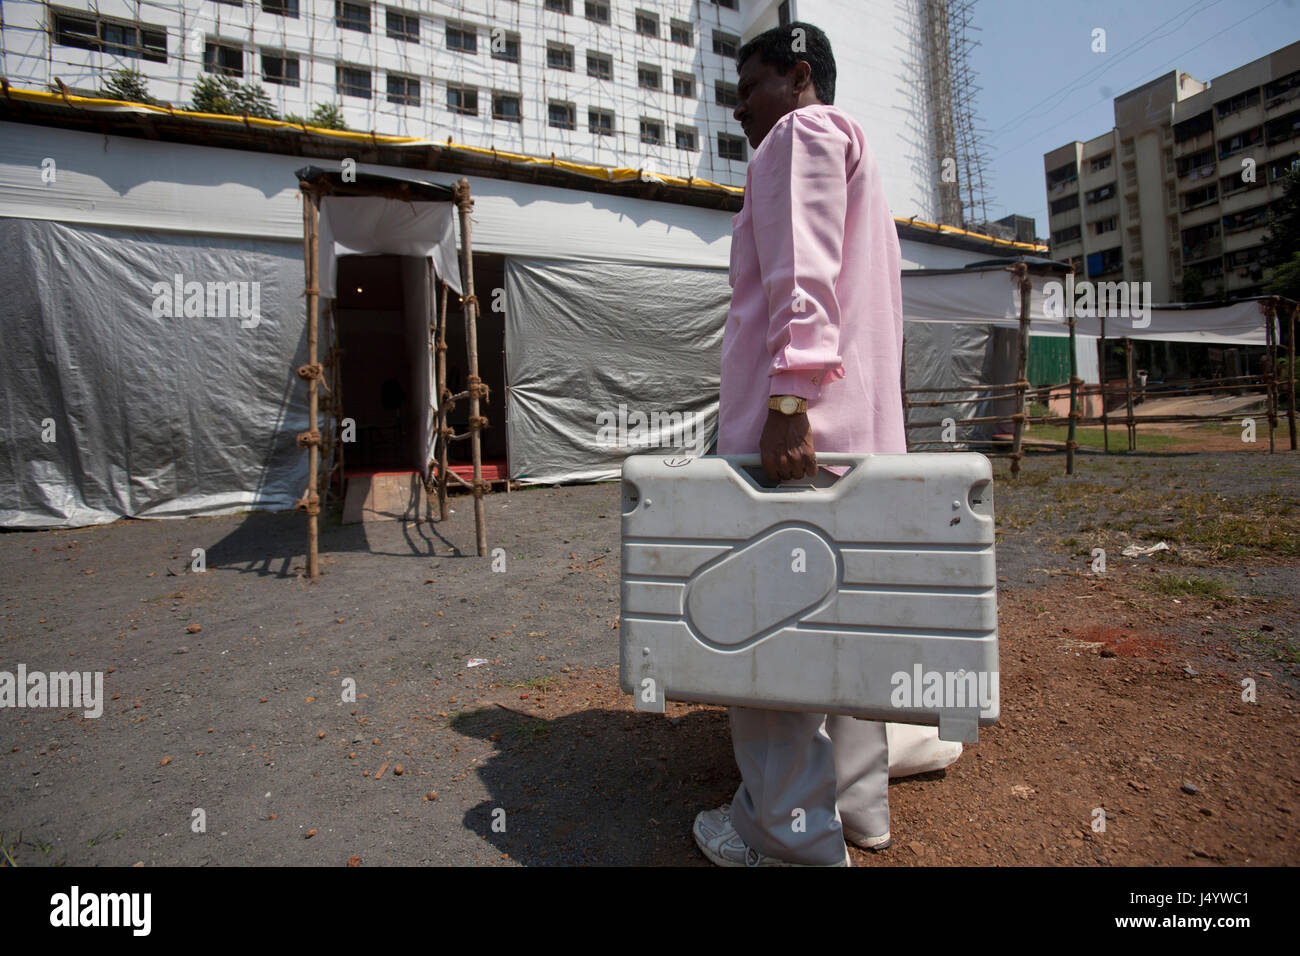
<point>385,352</point>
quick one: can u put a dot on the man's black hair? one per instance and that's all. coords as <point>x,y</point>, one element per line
<point>783,47</point>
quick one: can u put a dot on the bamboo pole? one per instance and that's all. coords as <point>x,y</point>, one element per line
<point>1022,364</point>
<point>443,406</point>
<point>902,388</point>
<point>310,501</point>
<point>1070,443</point>
<point>1128,393</point>
<point>1270,373</point>
<point>1105,427</point>
<point>476,422</point>
<point>1290,379</point>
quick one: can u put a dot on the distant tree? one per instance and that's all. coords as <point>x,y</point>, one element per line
<point>1286,279</point>
<point>127,85</point>
<point>325,116</point>
<point>224,94</point>
<point>1283,236</point>
<point>1193,289</point>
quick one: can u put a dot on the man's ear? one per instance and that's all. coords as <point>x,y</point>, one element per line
<point>802,77</point>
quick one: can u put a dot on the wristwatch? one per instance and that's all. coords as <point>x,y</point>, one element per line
<point>788,404</point>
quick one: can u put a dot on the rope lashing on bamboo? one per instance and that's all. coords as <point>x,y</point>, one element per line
<point>1075,380</point>
<point>469,299</point>
<point>308,438</point>
<point>481,488</point>
<point>1021,383</point>
<point>309,503</point>
<point>477,421</point>
<point>478,388</point>
<point>309,372</point>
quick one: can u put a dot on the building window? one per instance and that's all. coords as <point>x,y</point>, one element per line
<point>600,122</point>
<point>1237,103</point>
<point>462,38</point>
<point>284,8</point>
<point>1064,204</point>
<point>684,85</point>
<point>647,24</point>
<point>505,106</point>
<point>563,115</point>
<point>1100,194</point>
<point>600,65</point>
<point>652,132</point>
<point>597,10</point>
<point>352,16</point>
<point>353,82</point>
<point>223,60</point>
<point>403,26</point>
<point>724,94</point>
<point>682,32</point>
<point>462,100</point>
<point>559,56</point>
<point>687,138</point>
<point>648,77</point>
<point>104,35</point>
<point>725,44</point>
<point>1068,234</point>
<point>729,4</point>
<point>280,70</point>
<point>403,90</point>
<point>1243,140</point>
<point>560,6</point>
<point>1102,226</point>
<point>731,147</point>
<point>1100,163</point>
<point>505,46</point>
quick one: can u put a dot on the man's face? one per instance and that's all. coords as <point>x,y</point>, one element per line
<point>764,95</point>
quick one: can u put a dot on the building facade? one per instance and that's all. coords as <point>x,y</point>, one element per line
<point>645,84</point>
<point>1178,192</point>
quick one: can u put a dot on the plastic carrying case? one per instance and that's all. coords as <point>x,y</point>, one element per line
<point>871,594</point>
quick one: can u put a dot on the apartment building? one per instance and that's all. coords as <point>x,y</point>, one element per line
<point>1177,193</point>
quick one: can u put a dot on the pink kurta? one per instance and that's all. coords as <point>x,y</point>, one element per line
<point>816,302</point>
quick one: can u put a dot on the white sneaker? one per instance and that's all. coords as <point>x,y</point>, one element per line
<point>719,841</point>
<point>873,843</point>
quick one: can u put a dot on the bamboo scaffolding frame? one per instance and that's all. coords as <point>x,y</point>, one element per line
<point>1268,381</point>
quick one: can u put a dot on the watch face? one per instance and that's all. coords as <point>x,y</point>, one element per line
<point>788,405</point>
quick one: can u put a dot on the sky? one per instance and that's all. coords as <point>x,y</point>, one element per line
<point>1042,86</point>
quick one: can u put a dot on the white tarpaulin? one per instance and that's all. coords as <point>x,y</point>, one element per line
<point>992,296</point>
<point>367,225</point>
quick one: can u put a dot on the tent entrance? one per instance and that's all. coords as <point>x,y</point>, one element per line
<point>384,371</point>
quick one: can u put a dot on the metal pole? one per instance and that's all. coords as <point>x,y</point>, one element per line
<point>1128,392</point>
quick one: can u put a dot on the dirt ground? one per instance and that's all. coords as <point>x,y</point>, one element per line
<point>1122,691</point>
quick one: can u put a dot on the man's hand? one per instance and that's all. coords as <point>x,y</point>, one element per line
<point>787,447</point>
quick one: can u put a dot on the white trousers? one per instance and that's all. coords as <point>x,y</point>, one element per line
<point>834,769</point>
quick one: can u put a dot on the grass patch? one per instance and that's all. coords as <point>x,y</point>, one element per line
<point>1275,645</point>
<point>549,682</point>
<point>1182,584</point>
<point>1093,437</point>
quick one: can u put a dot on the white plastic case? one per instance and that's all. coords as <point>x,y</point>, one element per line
<point>872,595</point>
